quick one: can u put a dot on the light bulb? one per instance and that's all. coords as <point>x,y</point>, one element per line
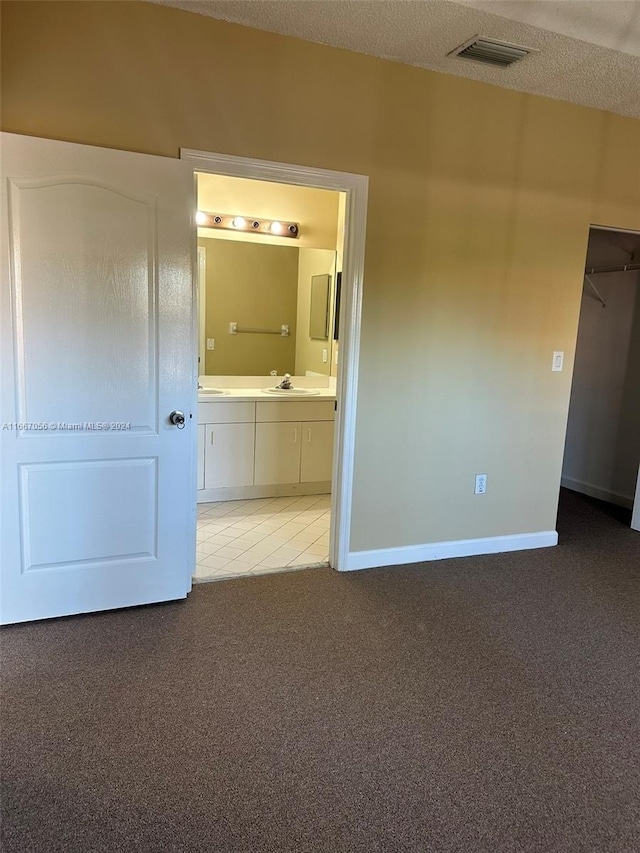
<point>201,218</point>
<point>239,222</point>
<point>276,227</point>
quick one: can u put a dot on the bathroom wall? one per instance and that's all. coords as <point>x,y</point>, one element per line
<point>315,210</point>
<point>480,202</point>
<point>308,350</point>
<point>254,286</point>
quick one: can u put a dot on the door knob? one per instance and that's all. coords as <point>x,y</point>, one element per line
<point>177,419</point>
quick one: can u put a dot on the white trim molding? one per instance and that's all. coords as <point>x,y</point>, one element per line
<point>592,491</point>
<point>356,188</point>
<point>445,550</point>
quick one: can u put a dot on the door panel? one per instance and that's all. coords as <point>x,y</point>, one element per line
<point>49,529</point>
<point>98,487</point>
<point>84,259</point>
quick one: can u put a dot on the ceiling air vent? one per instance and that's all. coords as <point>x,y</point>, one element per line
<point>492,52</point>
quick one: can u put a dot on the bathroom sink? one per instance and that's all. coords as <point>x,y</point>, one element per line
<point>212,391</point>
<point>291,392</point>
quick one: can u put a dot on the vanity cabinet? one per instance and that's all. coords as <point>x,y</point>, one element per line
<point>229,455</point>
<point>294,452</point>
<point>277,453</point>
<point>316,463</point>
<point>264,449</point>
<point>226,446</point>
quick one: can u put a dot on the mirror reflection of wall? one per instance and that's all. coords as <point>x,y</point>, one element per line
<point>255,286</point>
<point>319,313</point>
<point>263,282</point>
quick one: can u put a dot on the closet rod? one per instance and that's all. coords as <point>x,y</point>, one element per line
<point>624,268</point>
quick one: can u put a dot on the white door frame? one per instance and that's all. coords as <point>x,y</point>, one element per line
<point>635,519</point>
<point>356,189</point>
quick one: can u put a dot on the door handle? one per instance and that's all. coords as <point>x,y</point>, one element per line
<point>177,419</point>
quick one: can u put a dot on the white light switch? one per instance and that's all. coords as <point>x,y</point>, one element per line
<point>211,344</point>
<point>558,362</point>
<point>325,356</point>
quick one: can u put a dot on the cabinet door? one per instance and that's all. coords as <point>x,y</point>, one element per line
<point>229,455</point>
<point>201,440</point>
<point>317,452</point>
<point>277,453</point>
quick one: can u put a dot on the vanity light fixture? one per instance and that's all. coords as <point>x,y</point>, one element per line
<point>231,222</point>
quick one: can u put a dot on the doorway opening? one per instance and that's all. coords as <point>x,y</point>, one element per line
<point>279,266</point>
<point>602,447</point>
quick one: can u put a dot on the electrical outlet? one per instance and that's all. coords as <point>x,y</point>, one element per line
<point>481,484</point>
<point>211,344</point>
<point>325,356</point>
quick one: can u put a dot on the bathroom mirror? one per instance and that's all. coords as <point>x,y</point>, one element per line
<point>319,314</point>
<point>249,292</point>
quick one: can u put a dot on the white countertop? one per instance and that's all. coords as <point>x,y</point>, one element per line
<point>258,395</point>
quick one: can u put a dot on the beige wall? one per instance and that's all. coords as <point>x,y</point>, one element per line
<point>255,286</point>
<point>308,350</point>
<point>475,240</point>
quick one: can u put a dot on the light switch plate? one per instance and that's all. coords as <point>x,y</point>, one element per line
<point>558,362</point>
<point>211,344</point>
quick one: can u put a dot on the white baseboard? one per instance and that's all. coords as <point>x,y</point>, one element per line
<point>243,493</point>
<point>596,492</point>
<point>445,550</point>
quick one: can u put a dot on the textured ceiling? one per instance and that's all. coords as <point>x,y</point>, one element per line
<point>589,50</point>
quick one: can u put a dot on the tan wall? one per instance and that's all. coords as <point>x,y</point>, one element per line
<point>255,286</point>
<point>315,210</point>
<point>479,208</point>
<point>308,350</point>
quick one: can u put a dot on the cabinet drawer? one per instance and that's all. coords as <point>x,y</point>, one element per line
<point>295,410</point>
<point>226,413</point>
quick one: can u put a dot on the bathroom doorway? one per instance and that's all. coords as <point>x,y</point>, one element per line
<point>274,421</point>
<point>602,448</point>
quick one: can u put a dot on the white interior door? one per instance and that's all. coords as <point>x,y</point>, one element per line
<point>635,518</point>
<point>97,497</point>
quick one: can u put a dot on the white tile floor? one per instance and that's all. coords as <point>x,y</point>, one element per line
<point>258,536</point>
